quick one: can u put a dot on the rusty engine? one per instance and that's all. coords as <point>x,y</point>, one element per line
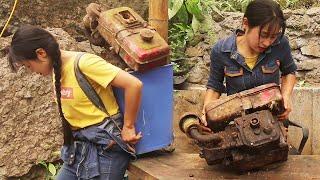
<point>245,132</point>
<point>138,44</point>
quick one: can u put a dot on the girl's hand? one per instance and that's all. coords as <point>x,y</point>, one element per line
<point>128,134</point>
<point>287,106</point>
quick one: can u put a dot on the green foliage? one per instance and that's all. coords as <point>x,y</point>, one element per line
<point>193,7</point>
<point>174,7</point>
<point>294,4</point>
<point>51,169</point>
<point>179,35</point>
<point>186,18</point>
<point>303,83</point>
<point>286,3</point>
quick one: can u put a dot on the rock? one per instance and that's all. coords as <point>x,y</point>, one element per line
<point>301,42</point>
<point>316,18</point>
<point>206,59</point>
<point>232,21</point>
<point>193,61</point>
<point>85,46</point>
<point>316,29</point>
<point>287,13</point>
<point>217,27</point>
<point>199,73</point>
<point>196,39</point>
<point>311,50</point>
<point>293,44</point>
<point>313,76</point>
<point>225,33</point>
<point>66,42</point>
<point>194,51</point>
<point>299,57</point>
<point>217,17</point>
<point>293,33</point>
<point>313,11</point>
<point>308,65</point>
<point>299,11</point>
<point>313,29</point>
<point>234,15</point>
<point>299,22</point>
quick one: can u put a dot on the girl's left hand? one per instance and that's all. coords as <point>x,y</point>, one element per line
<point>287,106</point>
<point>129,135</point>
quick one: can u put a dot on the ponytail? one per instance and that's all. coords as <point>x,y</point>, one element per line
<point>24,44</point>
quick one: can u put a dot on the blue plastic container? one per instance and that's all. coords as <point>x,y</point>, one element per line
<point>156,111</point>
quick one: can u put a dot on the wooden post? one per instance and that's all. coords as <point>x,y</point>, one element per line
<point>158,16</point>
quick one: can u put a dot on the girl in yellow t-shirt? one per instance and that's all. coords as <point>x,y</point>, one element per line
<point>93,146</point>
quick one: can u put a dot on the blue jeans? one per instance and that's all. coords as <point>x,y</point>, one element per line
<point>113,164</point>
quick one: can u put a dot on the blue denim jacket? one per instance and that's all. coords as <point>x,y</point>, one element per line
<point>227,64</point>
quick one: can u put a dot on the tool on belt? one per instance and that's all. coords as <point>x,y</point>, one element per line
<point>246,133</point>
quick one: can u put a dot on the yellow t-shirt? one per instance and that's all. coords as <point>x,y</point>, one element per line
<point>77,108</point>
<point>251,61</point>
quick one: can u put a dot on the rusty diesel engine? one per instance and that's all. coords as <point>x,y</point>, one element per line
<point>133,39</point>
<point>245,132</point>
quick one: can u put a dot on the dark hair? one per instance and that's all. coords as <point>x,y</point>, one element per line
<point>24,44</point>
<point>265,12</point>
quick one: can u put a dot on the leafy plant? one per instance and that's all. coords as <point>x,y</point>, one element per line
<point>287,3</point>
<point>185,17</point>
<point>229,5</point>
<point>179,35</point>
<point>302,83</point>
<point>293,4</point>
<point>51,169</point>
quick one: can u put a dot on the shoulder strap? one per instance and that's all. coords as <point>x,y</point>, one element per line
<point>96,100</point>
<point>86,86</point>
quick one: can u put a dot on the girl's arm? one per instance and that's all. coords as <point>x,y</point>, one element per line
<point>288,78</point>
<point>210,95</point>
<point>287,84</point>
<point>132,91</point>
<point>215,84</point>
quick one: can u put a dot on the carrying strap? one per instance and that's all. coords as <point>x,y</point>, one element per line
<point>92,95</point>
<point>86,86</point>
<point>305,133</point>
<point>88,90</point>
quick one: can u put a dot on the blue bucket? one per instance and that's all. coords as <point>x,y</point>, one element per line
<point>156,111</point>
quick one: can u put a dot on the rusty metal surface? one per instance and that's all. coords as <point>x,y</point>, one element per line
<point>251,137</point>
<point>189,166</point>
<point>137,43</point>
<point>253,141</point>
<point>229,107</point>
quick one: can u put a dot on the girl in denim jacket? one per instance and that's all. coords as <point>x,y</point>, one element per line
<point>257,55</point>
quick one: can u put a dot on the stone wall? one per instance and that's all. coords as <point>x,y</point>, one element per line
<point>303,32</point>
